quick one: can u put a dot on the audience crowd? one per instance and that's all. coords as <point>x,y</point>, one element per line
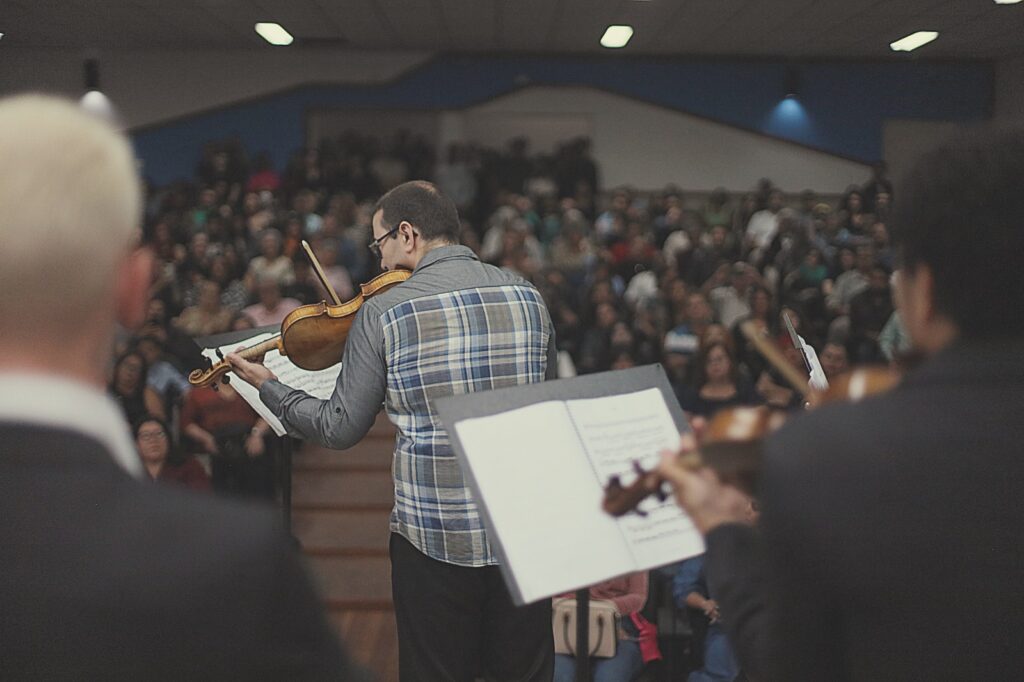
<point>629,277</point>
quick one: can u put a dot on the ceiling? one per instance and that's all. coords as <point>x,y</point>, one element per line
<point>843,29</point>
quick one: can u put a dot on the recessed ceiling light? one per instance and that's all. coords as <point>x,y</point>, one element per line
<point>1,35</point>
<point>914,41</point>
<point>274,33</point>
<point>616,36</point>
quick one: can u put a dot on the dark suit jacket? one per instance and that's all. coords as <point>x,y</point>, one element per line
<point>891,544</point>
<point>103,577</point>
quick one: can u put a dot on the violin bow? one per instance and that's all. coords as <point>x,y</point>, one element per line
<point>776,359</point>
<point>320,273</point>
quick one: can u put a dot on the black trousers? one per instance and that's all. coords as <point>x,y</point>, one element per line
<point>457,623</point>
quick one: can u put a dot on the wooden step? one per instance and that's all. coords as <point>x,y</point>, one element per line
<point>353,582</point>
<point>323,532</point>
<point>342,490</point>
<point>368,454</point>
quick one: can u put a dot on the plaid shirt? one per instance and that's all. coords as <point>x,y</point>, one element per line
<point>456,326</point>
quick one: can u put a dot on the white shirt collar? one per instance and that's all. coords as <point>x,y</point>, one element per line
<point>59,402</point>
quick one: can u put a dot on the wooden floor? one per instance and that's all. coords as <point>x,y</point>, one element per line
<point>341,502</point>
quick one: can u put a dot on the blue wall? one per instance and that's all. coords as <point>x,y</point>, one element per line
<point>840,109</point>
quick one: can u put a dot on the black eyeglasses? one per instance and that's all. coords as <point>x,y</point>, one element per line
<point>375,244</point>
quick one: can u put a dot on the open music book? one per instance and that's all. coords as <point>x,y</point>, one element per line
<point>319,384</point>
<point>538,472</point>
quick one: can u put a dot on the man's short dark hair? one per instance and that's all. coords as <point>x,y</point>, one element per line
<point>422,204</point>
<point>961,213</point>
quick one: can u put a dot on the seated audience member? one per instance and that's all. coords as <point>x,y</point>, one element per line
<point>337,274</point>
<point>163,461</point>
<point>225,427</point>
<point>208,316</point>
<point>272,308</point>
<point>129,388</point>
<point>629,593</point>
<point>233,294</point>
<point>690,589</point>
<point>834,360</point>
<point>685,337</point>
<point>762,318</point>
<point>870,310</point>
<point>729,292</point>
<point>716,383</point>
<point>271,264</point>
<point>162,376</point>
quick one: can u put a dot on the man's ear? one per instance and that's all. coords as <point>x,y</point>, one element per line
<point>408,236</point>
<point>131,291</point>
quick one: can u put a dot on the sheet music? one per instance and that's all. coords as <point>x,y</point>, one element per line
<point>542,496</point>
<point>636,427</point>
<point>319,384</point>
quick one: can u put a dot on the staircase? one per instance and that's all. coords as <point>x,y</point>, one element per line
<point>341,502</point>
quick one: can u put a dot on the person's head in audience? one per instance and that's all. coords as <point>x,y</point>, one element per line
<point>865,259</point>
<point>128,379</point>
<point>834,360</point>
<point>883,201</point>
<point>209,296</point>
<point>719,235</point>
<point>760,303</point>
<point>219,272</point>
<point>847,259</point>
<point>270,244</point>
<point>605,316</point>
<point>878,278</point>
<point>621,335</point>
<point>715,365</point>
<point>879,236</point>
<point>776,200</point>
<point>623,359</point>
<point>853,202</point>
<point>154,445</point>
<point>151,349</point>
<point>715,333</point>
<point>698,311</point>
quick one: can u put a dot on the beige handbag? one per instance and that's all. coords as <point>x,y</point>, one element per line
<point>604,627</point>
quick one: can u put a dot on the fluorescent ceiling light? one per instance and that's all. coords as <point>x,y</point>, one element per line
<point>914,41</point>
<point>274,33</point>
<point>1008,2</point>
<point>616,36</point>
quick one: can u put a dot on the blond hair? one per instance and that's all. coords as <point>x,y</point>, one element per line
<point>70,204</point>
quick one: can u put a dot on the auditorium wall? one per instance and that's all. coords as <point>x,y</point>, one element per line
<point>173,102</point>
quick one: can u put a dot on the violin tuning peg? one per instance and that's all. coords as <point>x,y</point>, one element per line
<point>225,379</point>
<point>637,468</point>
<point>219,354</point>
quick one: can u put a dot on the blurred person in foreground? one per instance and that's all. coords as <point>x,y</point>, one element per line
<point>104,575</point>
<point>889,541</point>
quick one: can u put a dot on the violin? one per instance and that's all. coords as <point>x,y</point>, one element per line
<point>732,441</point>
<point>312,336</point>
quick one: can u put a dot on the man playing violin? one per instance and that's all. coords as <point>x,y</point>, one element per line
<point>889,541</point>
<point>455,326</point>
